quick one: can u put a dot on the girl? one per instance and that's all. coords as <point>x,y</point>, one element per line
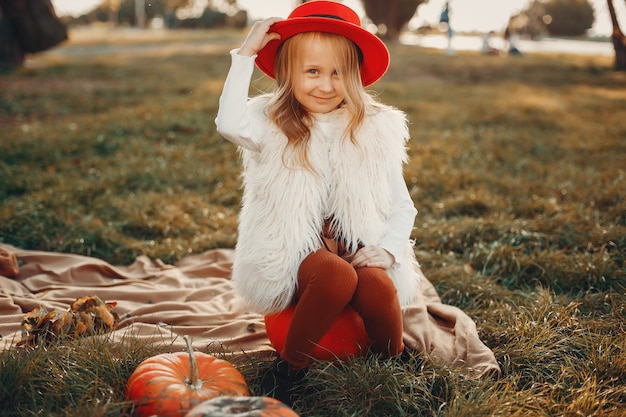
<point>326,215</point>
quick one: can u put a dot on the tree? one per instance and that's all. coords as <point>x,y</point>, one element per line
<point>132,12</point>
<point>11,54</point>
<point>27,27</point>
<point>568,17</point>
<point>391,15</point>
<point>113,6</point>
<point>618,39</point>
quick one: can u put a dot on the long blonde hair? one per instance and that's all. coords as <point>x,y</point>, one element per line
<point>287,113</point>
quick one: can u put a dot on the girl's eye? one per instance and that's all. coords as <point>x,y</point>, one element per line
<point>312,71</point>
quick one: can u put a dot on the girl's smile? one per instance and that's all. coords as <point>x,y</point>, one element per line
<point>317,83</point>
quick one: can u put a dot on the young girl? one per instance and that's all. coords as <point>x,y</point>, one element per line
<point>326,215</point>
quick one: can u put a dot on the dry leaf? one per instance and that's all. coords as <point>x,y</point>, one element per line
<point>87,316</point>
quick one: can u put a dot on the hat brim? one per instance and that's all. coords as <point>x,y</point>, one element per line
<point>375,54</point>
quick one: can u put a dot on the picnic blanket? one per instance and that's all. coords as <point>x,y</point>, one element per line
<point>195,297</point>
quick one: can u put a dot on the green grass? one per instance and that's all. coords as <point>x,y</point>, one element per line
<point>517,169</point>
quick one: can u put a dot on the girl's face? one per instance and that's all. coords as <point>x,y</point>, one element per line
<point>316,83</point>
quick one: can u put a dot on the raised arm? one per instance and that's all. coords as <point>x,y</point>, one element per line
<point>232,120</point>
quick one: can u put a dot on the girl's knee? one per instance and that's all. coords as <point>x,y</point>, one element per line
<point>328,273</point>
<point>374,287</point>
<point>375,279</point>
<point>325,263</point>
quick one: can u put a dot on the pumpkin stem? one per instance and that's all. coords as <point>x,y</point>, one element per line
<point>193,366</point>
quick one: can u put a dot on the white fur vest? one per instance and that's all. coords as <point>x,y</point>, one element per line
<point>284,205</point>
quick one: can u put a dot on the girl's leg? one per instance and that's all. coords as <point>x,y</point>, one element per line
<point>326,284</point>
<point>377,302</point>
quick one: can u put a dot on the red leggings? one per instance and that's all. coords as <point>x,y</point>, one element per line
<point>327,284</point>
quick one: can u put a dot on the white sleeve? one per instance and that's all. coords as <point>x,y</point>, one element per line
<point>233,121</point>
<point>401,218</point>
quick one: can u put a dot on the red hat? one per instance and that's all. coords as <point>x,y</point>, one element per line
<point>332,17</point>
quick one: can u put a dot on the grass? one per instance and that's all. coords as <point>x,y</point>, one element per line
<point>517,169</point>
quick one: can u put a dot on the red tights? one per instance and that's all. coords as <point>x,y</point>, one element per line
<point>327,284</point>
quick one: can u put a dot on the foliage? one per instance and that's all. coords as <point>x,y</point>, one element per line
<point>568,17</point>
<point>392,14</point>
<point>209,14</point>
<point>516,168</point>
<point>87,316</point>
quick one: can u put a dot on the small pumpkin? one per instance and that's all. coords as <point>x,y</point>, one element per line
<point>345,339</point>
<point>242,407</point>
<point>170,384</point>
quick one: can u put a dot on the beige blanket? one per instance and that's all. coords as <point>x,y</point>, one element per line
<point>195,297</point>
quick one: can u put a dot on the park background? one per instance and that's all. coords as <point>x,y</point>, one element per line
<point>476,15</point>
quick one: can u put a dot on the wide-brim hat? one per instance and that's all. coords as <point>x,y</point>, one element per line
<point>331,17</point>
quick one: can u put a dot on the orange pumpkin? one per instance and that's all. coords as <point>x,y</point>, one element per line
<point>242,407</point>
<point>345,339</point>
<point>170,384</point>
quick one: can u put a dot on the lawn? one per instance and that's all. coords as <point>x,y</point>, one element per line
<point>517,167</point>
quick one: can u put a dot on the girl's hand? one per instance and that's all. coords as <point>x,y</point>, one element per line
<point>374,256</point>
<point>259,36</point>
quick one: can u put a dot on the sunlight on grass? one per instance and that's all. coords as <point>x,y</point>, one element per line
<point>109,149</point>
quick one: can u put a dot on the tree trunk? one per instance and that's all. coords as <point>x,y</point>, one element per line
<point>11,53</point>
<point>618,39</point>
<point>114,11</point>
<point>140,13</point>
<point>393,31</point>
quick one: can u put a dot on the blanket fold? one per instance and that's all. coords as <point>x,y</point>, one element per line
<point>195,297</point>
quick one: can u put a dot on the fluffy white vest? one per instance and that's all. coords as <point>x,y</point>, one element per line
<point>284,205</point>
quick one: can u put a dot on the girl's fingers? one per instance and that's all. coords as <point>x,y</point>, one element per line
<point>373,256</point>
<point>259,36</point>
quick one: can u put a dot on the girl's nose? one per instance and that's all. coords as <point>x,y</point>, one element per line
<point>326,84</point>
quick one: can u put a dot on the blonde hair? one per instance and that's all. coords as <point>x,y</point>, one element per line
<point>287,113</point>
